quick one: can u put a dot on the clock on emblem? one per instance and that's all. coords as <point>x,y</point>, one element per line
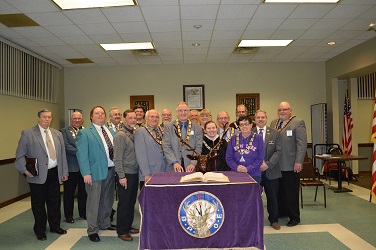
<point>201,214</point>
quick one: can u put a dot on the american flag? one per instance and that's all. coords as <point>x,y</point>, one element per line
<point>347,125</point>
<point>373,139</point>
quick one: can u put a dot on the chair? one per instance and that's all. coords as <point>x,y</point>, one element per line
<point>333,166</point>
<point>309,178</point>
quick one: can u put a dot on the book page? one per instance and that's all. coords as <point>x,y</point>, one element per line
<point>198,176</point>
<point>215,177</point>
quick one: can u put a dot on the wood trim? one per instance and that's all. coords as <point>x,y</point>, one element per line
<point>6,203</point>
<point>365,145</point>
<point>7,161</point>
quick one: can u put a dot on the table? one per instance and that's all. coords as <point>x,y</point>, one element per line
<point>338,159</point>
<point>240,223</point>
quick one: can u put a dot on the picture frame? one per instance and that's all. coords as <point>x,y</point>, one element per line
<point>194,96</point>
<point>251,101</point>
<point>147,101</point>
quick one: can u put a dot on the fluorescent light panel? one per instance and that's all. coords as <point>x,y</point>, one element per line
<point>301,1</point>
<point>84,4</point>
<point>127,46</point>
<point>264,43</point>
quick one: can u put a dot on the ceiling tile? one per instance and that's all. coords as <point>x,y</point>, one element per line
<point>6,8</point>
<point>130,27</point>
<point>199,12</point>
<point>113,38</point>
<point>298,23</point>
<point>50,18</point>
<point>187,25</point>
<point>77,40</point>
<point>358,24</point>
<point>330,23</point>
<point>274,11</point>
<point>157,2</point>
<point>32,31</point>
<point>347,11</point>
<point>225,35</point>
<point>47,41</point>
<point>160,13</point>
<point>165,36</point>
<point>123,14</point>
<point>199,2</point>
<point>202,35</point>
<point>86,16</point>
<point>257,34</point>
<point>203,44</point>
<point>236,11</point>
<point>287,34</point>
<point>33,6</point>
<point>311,10</point>
<point>65,30</point>
<point>164,26</point>
<point>316,34</point>
<point>231,24</point>
<point>136,37</point>
<point>264,23</point>
<point>97,28</point>
<point>168,44</point>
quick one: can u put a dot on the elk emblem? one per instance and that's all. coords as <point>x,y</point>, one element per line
<point>203,161</point>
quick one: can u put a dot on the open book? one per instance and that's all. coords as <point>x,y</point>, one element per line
<point>207,177</point>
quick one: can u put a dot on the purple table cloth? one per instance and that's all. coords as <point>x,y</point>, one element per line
<point>161,197</point>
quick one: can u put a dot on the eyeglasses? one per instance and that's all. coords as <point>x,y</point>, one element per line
<point>223,118</point>
<point>244,124</point>
<point>183,110</point>
<point>283,110</point>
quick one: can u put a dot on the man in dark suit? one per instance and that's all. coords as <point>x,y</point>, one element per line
<point>148,147</point>
<point>46,145</point>
<point>95,157</point>
<point>294,146</point>
<point>270,171</point>
<point>75,177</point>
<point>175,152</point>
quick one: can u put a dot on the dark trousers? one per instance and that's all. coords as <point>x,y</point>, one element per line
<point>75,180</point>
<point>288,200</point>
<point>127,201</point>
<point>271,191</point>
<point>46,195</point>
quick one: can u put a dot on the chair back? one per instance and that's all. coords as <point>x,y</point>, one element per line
<point>308,171</point>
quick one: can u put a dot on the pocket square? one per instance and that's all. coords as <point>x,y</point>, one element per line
<point>271,142</point>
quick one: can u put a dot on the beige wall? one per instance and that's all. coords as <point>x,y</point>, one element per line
<point>19,114</point>
<point>302,84</point>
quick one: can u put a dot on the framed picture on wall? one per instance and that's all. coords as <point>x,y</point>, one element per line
<point>146,101</point>
<point>194,95</point>
<point>251,101</point>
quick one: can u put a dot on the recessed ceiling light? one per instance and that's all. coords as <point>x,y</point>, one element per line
<point>84,4</point>
<point>263,43</point>
<point>197,26</point>
<point>196,44</point>
<point>127,46</point>
<point>331,43</point>
<point>301,1</point>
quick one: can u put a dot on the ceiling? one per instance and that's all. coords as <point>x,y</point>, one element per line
<point>170,25</point>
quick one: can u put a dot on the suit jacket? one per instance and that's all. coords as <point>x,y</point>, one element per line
<point>172,148</point>
<point>70,148</point>
<point>91,154</point>
<point>272,148</point>
<point>149,154</point>
<point>294,143</point>
<point>31,144</point>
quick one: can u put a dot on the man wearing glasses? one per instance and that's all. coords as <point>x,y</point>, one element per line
<point>190,132</point>
<point>293,136</point>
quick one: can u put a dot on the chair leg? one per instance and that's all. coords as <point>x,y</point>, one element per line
<point>301,196</point>
<point>316,192</point>
<point>324,196</point>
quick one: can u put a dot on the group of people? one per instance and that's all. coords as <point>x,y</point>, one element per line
<point>126,150</point>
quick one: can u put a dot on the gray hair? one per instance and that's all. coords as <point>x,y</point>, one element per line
<point>42,111</point>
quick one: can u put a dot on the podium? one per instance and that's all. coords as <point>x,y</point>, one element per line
<point>171,212</point>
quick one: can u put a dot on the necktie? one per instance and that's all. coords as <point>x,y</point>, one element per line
<point>157,134</point>
<point>280,125</point>
<point>109,144</point>
<point>261,131</point>
<point>116,128</point>
<point>50,147</point>
<point>225,136</point>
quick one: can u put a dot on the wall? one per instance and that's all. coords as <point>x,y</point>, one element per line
<point>302,84</point>
<point>19,114</point>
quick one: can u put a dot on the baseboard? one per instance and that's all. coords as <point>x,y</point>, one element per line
<point>6,203</point>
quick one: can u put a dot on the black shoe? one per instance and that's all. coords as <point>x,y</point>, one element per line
<point>58,231</point>
<point>293,223</point>
<point>94,237</point>
<point>69,220</point>
<point>41,237</point>
<point>112,227</point>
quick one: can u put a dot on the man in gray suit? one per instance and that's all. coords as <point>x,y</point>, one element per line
<point>75,177</point>
<point>175,152</point>
<point>294,146</point>
<point>46,146</point>
<point>148,147</point>
<point>270,171</point>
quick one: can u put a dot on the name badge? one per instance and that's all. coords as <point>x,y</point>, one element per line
<point>192,132</point>
<point>289,132</point>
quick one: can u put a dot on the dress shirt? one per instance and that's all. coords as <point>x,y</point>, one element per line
<point>99,130</point>
<point>51,163</point>
<point>263,132</point>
